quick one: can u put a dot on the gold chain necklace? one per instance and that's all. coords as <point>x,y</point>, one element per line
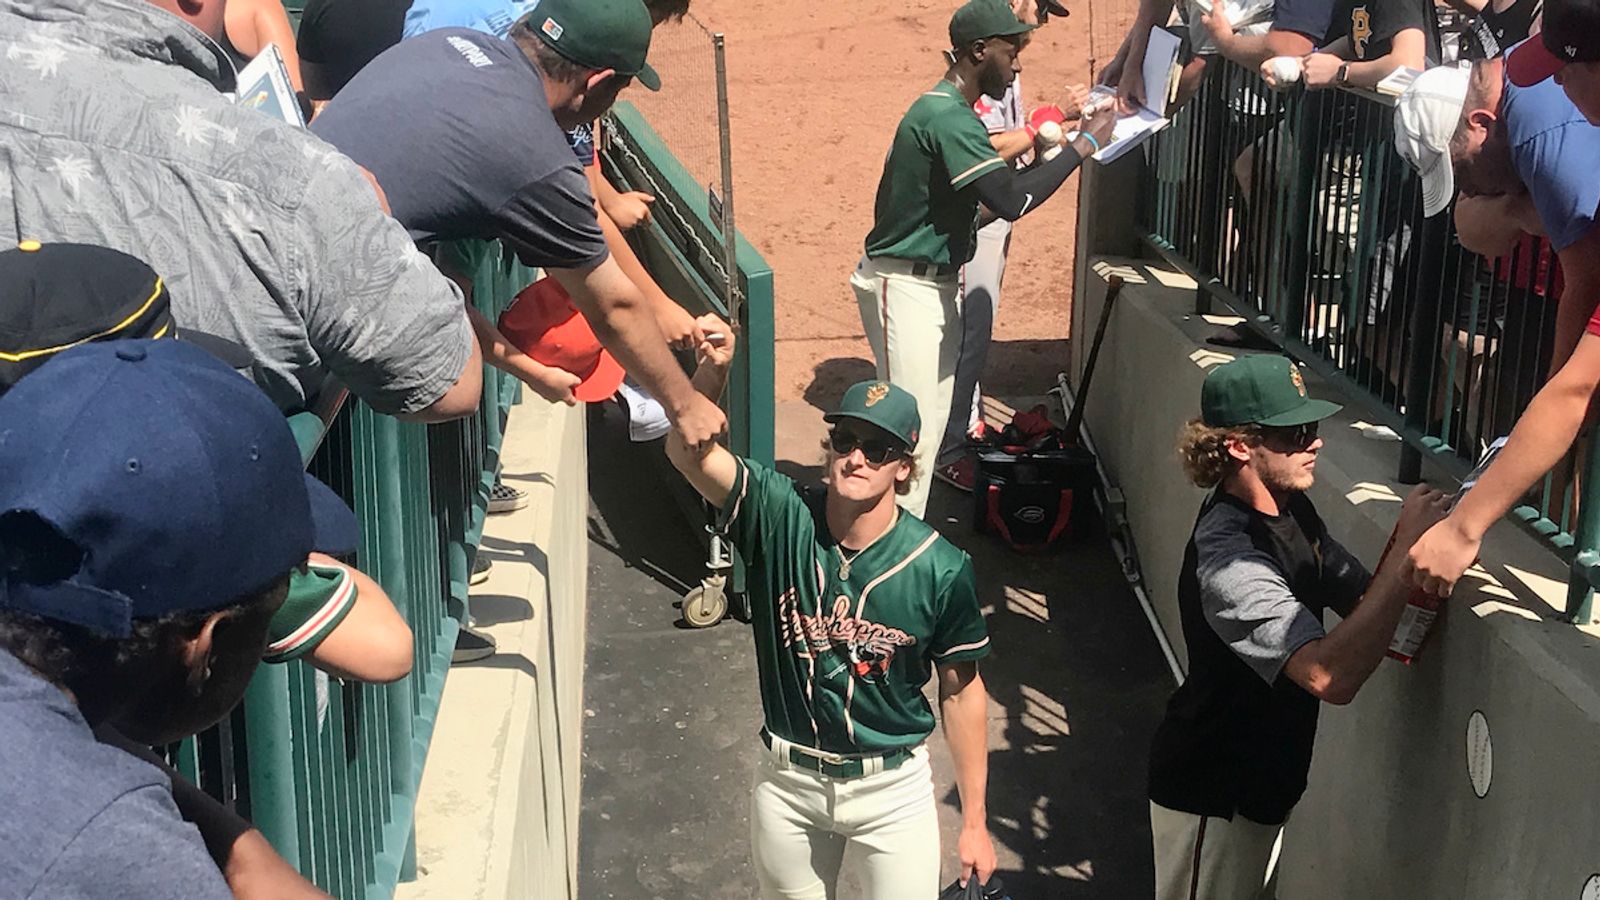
<point>845,561</point>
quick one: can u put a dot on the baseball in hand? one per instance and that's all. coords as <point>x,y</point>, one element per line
<point>1285,69</point>
<point>1050,133</point>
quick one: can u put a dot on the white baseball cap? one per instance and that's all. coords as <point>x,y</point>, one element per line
<point>1425,119</point>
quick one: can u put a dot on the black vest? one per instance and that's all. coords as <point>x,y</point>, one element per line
<point>1231,743</point>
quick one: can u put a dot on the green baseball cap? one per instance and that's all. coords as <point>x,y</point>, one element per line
<point>600,34</point>
<point>979,19</point>
<point>1259,390</point>
<point>887,406</point>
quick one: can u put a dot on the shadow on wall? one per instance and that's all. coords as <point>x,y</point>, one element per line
<point>832,377</point>
<point>1082,683</point>
<point>642,521</point>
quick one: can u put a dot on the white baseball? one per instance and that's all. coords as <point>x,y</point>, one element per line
<point>1285,69</point>
<point>1050,133</point>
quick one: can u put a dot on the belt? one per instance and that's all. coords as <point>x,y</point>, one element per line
<point>894,265</point>
<point>835,765</point>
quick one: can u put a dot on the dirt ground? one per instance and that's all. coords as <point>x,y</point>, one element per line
<point>815,91</point>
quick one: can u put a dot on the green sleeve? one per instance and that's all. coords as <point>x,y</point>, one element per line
<point>763,509</point>
<point>963,146</point>
<point>960,634</point>
<point>319,599</point>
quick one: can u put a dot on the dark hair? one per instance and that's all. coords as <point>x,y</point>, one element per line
<point>89,664</point>
<point>1203,450</point>
<point>554,66</point>
<point>667,10</point>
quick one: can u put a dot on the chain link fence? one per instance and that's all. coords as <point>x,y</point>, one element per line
<point>690,115</point>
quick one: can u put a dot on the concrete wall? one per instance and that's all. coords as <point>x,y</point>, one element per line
<point>497,812</point>
<point>1392,810</point>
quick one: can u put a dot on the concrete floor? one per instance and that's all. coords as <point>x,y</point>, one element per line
<point>1076,678</point>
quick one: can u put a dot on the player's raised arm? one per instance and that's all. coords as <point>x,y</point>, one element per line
<point>711,472</point>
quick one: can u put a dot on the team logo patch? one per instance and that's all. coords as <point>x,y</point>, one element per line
<point>1360,30</point>
<point>875,393</point>
<point>1031,515</point>
<point>867,648</point>
<point>1294,376</point>
<point>552,29</point>
<point>1571,51</point>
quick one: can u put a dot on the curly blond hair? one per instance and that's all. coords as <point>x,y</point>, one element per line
<point>1203,450</point>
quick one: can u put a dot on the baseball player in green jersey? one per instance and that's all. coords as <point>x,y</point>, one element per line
<point>941,166</point>
<point>855,602</point>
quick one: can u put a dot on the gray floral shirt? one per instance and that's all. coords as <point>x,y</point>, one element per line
<point>113,132</point>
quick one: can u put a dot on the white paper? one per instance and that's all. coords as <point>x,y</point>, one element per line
<point>264,85</point>
<point>1130,131</point>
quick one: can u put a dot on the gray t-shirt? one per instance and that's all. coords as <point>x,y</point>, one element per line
<point>112,132</point>
<point>455,126</point>
<point>1246,597</point>
<point>80,819</point>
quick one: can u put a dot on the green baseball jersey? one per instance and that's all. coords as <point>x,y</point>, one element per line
<point>319,599</point>
<point>927,209</point>
<point>843,660</point>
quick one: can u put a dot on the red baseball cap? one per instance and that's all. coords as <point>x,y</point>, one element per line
<point>543,323</point>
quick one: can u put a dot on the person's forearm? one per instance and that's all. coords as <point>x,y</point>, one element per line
<point>628,261</point>
<point>1352,651</point>
<point>1368,74</point>
<point>1011,195</point>
<point>1252,50</point>
<point>1573,310</point>
<point>500,352</point>
<point>966,729</point>
<point>255,871</point>
<point>1011,145</point>
<point>1540,439</point>
<point>622,320</point>
<point>711,381</point>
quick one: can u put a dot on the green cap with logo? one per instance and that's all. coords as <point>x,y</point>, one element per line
<point>600,34</point>
<point>887,406</point>
<point>979,19</point>
<point>1259,390</point>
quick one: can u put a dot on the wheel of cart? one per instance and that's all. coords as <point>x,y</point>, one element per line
<point>708,603</point>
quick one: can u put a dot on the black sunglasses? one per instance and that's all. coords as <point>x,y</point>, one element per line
<point>1291,437</point>
<point>875,450</point>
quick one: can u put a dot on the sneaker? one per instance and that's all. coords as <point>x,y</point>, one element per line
<point>504,498</point>
<point>472,645</point>
<point>480,569</point>
<point>960,474</point>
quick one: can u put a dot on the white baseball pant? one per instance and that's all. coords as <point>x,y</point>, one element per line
<point>980,306</point>
<point>1209,858</point>
<point>800,823</point>
<point>914,326</point>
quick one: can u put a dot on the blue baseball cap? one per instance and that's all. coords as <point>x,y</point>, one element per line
<point>162,482</point>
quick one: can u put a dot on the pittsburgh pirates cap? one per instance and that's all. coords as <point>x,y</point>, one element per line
<point>979,19</point>
<point>1570,33</point>
<point>885,405</point>
<point>600,34</point>
<point>1261,389</point>
<point>1425,119</point>
<point>56,296</point>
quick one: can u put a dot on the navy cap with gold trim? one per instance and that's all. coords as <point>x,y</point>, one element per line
<point>57,296</point>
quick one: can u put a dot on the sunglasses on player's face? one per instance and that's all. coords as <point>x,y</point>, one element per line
<point>1290,438</point>
<point>876,450</point>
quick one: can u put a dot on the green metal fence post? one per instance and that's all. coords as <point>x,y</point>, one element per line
<point>273,808</point>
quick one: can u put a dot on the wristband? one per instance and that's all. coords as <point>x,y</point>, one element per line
<point>1090,138</point>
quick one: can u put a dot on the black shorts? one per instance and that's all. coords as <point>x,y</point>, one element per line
<point>338,37</point>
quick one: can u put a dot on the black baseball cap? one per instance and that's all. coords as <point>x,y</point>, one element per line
<point>159,480</point>
<point>1570,33</point>
<point>600,34</point>
<point>57,296</point>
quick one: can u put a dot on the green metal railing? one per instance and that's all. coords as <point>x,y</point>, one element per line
<point>1294,211</point>
<point>328,770</point>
